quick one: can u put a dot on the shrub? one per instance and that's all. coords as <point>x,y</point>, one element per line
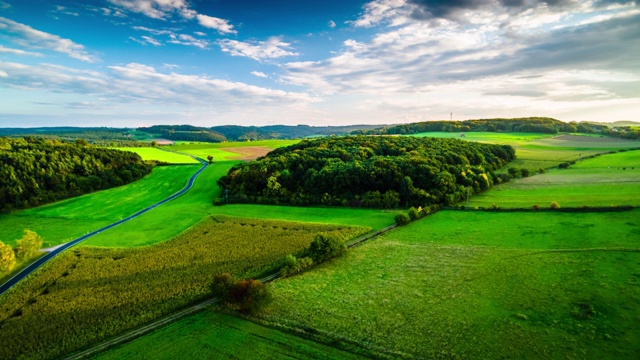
<point>513,172</point>
<point>414,214</point>
<point>243,295</point>
<point>325,246</point>
<point>293,265</point>
<point>7,257</point>
<point>28,245</point>
<point>536,207</point>
<point>524,172</point>
<point>563,166</point>
<point>541,171</point>
<point>402,219</point>
<point>494,206</point>
<point>554,205</point>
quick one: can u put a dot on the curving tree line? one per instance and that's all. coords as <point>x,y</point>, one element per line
<point>368,171</point>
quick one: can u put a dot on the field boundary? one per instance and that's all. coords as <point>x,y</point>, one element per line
<point>148,328</point>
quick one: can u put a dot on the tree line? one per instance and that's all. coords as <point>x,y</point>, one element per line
<point>368,171</point>
<point>37,171</point>
<point>527,125</point>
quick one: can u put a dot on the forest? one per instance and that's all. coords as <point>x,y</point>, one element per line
<point>368,171</point>
<point>527,125</point>
<point>184,133</point>
<point>37,171</point>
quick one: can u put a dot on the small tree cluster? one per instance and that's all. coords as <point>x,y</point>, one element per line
<point>414,214</point>
<point>325,247</point>
<point>241,294</point>
<point>26,248</point>
<point>293,265</point>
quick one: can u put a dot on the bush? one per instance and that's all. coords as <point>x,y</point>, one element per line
<point>524,172</point>
<point>494,206</point>
<point>541,171</point>
<point>243,295</point>
<point>325,247</point>
<point>293,265</point>
<point>7,257</point>
<point>28,245</point>
<point>513,172</point>
<point>402,219</point>
<point>554,205</point>
<point>563,166</point>
<point>536,207</point>
<point>414,214</point>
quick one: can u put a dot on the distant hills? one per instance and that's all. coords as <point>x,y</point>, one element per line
<point>130,136</point>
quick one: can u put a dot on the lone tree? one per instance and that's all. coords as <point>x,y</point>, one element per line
<point>154,143</point>
<point>28,245</point>
<point>210,158</point>
<point>7,257</point>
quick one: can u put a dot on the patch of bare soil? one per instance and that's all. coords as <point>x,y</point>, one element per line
<point>248,153</point>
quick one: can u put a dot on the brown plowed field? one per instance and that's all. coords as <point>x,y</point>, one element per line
<point>248,153</point>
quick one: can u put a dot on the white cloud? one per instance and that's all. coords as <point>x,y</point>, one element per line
<point>200,33</point>
<point>211,22</point>
<point>29,37</point>
<point>185,39</point>
<point>259,74</point>
<point>153,31</point>
<point>135,83</point>
<point>17,51</point>
<point>273,48</point>
<point>146,40</point>
<point>173,38</point>
<point>331,24</point>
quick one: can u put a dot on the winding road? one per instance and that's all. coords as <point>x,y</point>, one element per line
<point>41,261</point>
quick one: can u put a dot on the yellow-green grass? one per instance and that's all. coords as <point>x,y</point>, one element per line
<point>185,146</point>
<point>150,153</point>
<point>606,180</point>
<point>217,335</point>
<point>68,219</point>
<point>89,294</point>
<point>488,137</point>
<point>479,285</point>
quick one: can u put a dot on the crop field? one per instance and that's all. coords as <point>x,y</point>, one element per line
<point>149,153</point>
<point>488,137</point>
<point>217,335</point>
<point>541,285</point>
<point>68,219</point>
<point>89,294</point>
<point>606,180</point>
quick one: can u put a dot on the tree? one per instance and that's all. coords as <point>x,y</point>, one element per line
<point>402,219</point>
<point>7,257</point>
<point>524,172</point>
<point>325,247</point>
<point>154,143</point>
<point>28,245</point>
<point>554,205</point>
<point>210,158</point>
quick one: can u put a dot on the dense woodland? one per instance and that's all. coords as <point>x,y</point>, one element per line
<point>527,125</point>
<point>36,171</point>
<point>184,133</point>
<point>242,133</point>
<point>368,171</point>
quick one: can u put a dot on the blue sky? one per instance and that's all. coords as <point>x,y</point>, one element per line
<point>142,62</point>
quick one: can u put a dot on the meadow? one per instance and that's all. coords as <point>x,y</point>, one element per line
<point>215,335</point>
<point>89,294</point>
<point>150,153</point>
<point>606,180</point>
<point>68,219</point>
<point>542,285</point>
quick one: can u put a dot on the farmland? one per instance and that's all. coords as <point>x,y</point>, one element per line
<point>65,220</point>
<point>150,153</point>
<point>607,180</point>
<point>447,287</point>
<point>89,294</point>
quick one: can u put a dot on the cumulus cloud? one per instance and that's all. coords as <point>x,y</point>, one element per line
<point>273,48</point>
<point>165,9</point>
<point>259,74</point>
<point>331,24</point>
<point>211,22</point>
<point>26,36</point>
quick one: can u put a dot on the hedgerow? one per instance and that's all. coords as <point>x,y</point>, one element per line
<point>89,294</point>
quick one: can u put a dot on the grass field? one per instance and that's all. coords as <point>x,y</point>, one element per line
<point>89,294</point>
<point>68,219</point>
<point>211,335</point>
<point>599,181</point>
<point>150,153</point>
<point>479,285</point>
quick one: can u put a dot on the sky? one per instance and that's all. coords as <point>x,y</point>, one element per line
<point>130,63</point>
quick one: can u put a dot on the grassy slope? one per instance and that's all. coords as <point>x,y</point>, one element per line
<point>217,336</point>
<point>149,153</point>
<point>68,219</point>
<point>446,287</point>
<point>599,181</point>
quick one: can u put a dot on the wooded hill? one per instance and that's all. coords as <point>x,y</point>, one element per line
<point>242,133</point>
<point>527,125</point>
<point>368,171</point>
<point>36,171</point>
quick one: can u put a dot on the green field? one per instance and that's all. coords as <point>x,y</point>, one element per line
<point>488,137</point>
<point>150,153</point>
<point>89,294</point>
<point>68,219</point>
<point>479,285</point>
<point>211,335</point>
<point>599,181</point>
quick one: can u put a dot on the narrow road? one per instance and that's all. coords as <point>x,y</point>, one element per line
<point>41,261</point>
